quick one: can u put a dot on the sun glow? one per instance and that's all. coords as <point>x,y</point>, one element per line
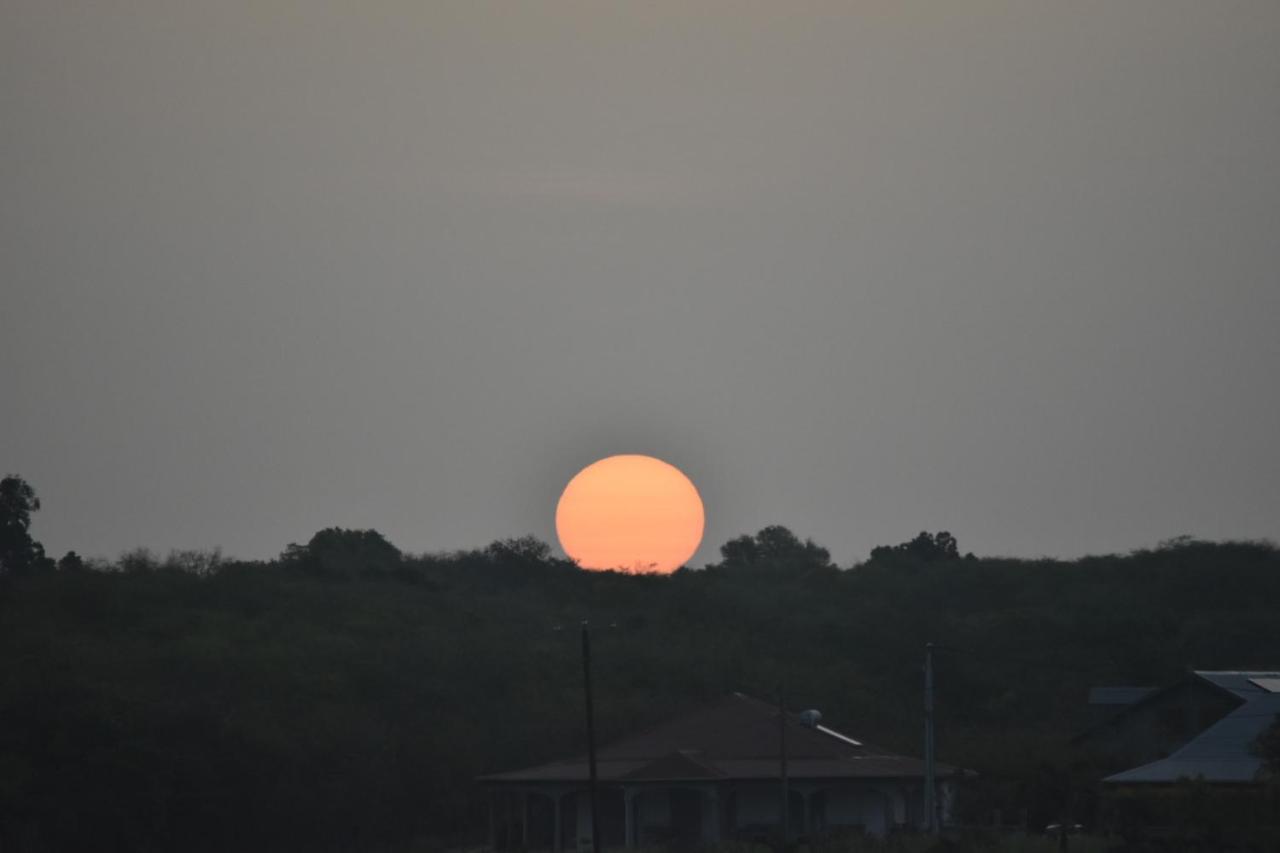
<point>630,513</point>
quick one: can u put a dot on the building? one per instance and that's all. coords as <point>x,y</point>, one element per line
<point>1180,761</point>
<point>1152,723</point>
<point>1221,715</point>
<point>716,774</point>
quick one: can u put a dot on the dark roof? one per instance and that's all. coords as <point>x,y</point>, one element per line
<point>1198,678</point>
<point>1224,751</point>
<point>736,738</point>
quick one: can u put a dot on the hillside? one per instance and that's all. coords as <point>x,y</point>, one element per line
<point>346,704</point>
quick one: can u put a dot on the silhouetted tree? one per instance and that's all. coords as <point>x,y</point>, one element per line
<point>19,553</point>
<point>138,561</point>
<point>521,549</point>
<point>774,548</point>
<point>194,561</point>
<point>925,548</point>
<point>1267,747</point>
<point>72,562</point>
<point>338,553</point>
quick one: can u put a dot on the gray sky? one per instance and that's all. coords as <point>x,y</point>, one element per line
<point>860,268</point>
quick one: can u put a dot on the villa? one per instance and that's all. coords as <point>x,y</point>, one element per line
<point>716,774</point>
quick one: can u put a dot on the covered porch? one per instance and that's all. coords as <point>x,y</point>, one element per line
<point>715,774</point>
<point>557,817</point>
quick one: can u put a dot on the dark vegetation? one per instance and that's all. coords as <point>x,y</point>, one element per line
<point>344,695</point>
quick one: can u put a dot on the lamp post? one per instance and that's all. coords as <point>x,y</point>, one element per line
<point>931,821</point>
<point>592,789</point>
<point>784,804</point>
<point>591,738</point>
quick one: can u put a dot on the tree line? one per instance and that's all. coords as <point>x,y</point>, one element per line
<point>345,695</point>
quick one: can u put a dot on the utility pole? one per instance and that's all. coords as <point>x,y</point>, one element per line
<point>591,738</point>
<point>930,774</point>
<point>784,806</point>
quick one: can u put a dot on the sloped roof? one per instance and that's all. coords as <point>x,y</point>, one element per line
<point>1238,682</point>
<point>677,765</point>
<point>1158,694</point>
<point>736,738</point>
<point>1222,752</point>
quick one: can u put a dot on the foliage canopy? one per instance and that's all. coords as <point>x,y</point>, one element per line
<point>19,553</point>
<point>345,695</point>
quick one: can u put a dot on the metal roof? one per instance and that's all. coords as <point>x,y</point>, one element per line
<point>1224,751</point>
<point>736,738</point>
<point>1238,682</point>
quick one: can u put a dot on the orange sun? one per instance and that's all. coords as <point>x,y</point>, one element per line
<point>630,513</point>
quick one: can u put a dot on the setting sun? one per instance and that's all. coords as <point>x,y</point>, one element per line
<point>630,513</point>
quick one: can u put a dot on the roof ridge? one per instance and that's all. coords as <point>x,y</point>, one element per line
<point>734,737</point>
<point>1245,672</point>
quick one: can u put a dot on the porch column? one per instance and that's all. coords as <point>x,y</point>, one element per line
<point>713,798</point>
<point>493,832</point>
<point>504,821</point>
<point>524,820</point>
<point>628,809</point>
<point>555,841</point>
<point>805,828</point>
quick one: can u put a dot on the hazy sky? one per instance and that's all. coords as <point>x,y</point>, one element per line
<point>860,268</point>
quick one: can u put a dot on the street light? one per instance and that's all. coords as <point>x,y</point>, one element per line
<point>931,811</point>
<point>784,805</point>
<point>591,735</point>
